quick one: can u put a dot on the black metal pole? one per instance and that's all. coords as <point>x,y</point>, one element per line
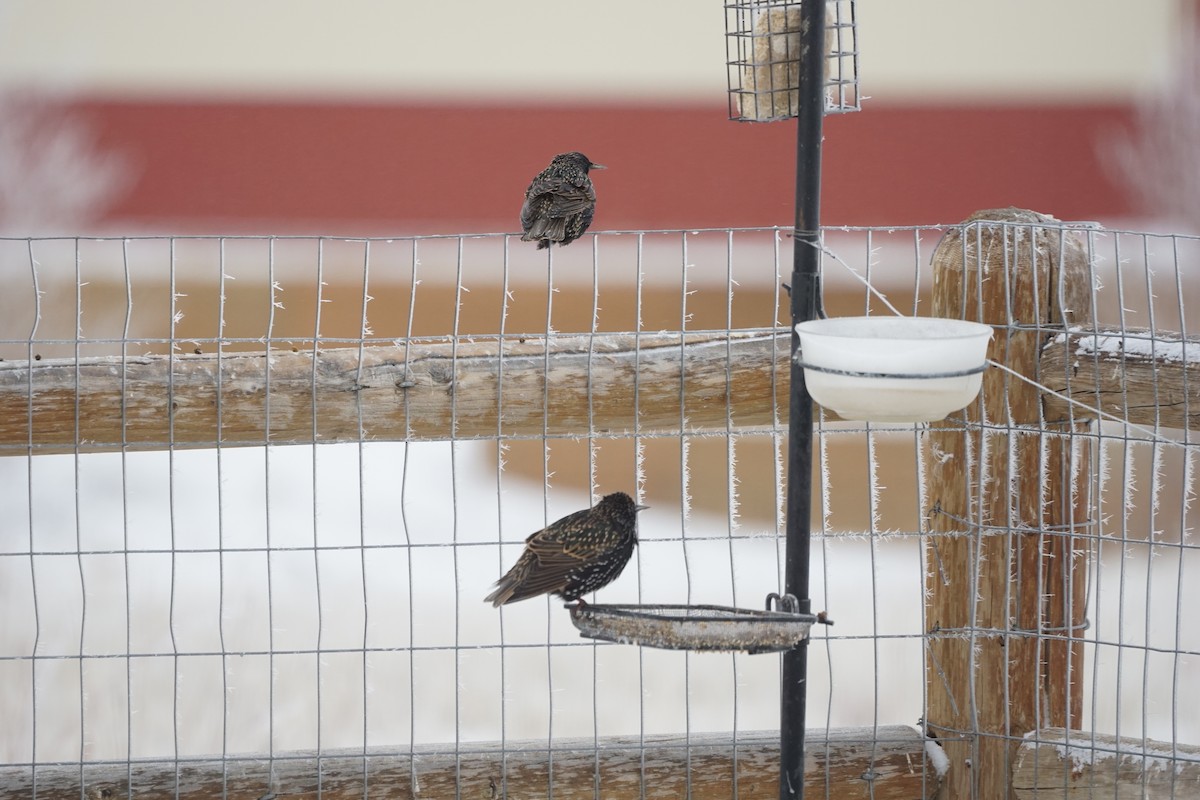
<point>806,300</point>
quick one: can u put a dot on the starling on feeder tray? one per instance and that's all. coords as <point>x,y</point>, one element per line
<point>576,555</point>
<point>560,201</point>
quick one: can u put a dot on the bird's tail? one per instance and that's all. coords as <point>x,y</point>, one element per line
<point>504,590</point>
<point>528,236</point>
<point>546,230</point>
<point>507,586</point>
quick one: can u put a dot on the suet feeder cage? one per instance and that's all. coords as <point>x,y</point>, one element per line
<point>762,40</point>
<point>893,369</point>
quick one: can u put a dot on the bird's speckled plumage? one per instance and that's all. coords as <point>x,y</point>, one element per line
<point>560,201</point>
<point>574,556</point>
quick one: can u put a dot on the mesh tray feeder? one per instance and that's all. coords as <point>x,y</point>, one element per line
<point>681,627</point>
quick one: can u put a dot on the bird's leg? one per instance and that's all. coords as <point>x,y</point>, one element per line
<point>549,298</point>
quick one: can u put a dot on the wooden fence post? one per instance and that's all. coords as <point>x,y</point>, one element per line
<point>1006,498</point>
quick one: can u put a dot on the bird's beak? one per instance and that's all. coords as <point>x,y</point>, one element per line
<point>639,508</point>
<point>597,166</point>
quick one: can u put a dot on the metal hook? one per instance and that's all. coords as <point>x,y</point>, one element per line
<point>786,603</point>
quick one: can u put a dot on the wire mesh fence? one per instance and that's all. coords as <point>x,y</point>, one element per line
<point>189,592</point>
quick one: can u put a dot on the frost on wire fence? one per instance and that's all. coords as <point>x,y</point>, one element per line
<point>255,490</point>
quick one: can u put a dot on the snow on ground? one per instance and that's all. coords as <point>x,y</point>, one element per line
<point>402,628</point>
<point>384,581</point>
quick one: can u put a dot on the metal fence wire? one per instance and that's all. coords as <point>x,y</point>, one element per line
<point>206,560</point>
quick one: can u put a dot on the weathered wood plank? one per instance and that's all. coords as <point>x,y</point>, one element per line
<point>1148,377</point>
<point>427,390</point>
<point>1057,763</point>
<point>413,391</point>
<point>888,763</point>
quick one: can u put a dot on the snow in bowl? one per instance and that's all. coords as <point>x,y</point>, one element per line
<point>893,369</point>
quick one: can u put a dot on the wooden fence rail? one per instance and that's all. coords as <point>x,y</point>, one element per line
<point>471,388</point>
<point>422,390</point>
<point>1059,764</point>
<point>887,763</point>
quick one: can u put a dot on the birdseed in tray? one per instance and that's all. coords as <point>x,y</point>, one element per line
<point>693,627</point>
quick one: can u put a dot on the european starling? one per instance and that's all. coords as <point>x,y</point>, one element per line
<point>576,555</point>
<point>560,201</point>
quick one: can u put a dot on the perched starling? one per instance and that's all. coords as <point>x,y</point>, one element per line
<point>576,555</point>
<point>560,202</point>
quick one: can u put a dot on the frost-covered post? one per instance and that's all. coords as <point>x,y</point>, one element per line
<point>1005,498</point>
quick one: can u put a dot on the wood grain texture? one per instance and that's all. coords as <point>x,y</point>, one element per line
<point>1003,606</point>
<point>417,390</point>
<point>1151,378</point>
<point>438,389</point>
<point>1057,763</point>
<point>888,763</point>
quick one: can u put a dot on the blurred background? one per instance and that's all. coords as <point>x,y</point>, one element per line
<point>372,118</point>
<point>299,117</point>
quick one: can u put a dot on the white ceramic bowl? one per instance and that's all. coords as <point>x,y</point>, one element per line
<point>892,348</point>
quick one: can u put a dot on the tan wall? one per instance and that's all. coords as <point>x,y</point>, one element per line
<point>538,50</point>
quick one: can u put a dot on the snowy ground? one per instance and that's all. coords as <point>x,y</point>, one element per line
<point>384,599</point>
<point>228,652</point>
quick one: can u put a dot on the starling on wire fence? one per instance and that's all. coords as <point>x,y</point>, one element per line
<point>576,555</point>
<point>560,201</point>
